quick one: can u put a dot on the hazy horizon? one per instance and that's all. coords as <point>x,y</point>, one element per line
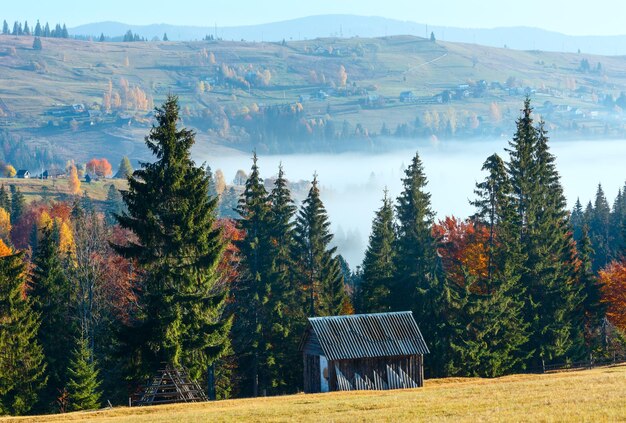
<point>491,14</point>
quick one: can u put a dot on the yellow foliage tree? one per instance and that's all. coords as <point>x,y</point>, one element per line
<point>74,182</point>
<point>5,224</point>
<point>66,237</point>
<point>44,221</point>
<point>9,171</point>
<point>5,250</point>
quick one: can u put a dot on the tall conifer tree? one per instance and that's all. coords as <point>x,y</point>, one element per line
<point>18,203</point>
<point>542,227</point>
<point>178,250</point>
<point>378,264</point>
<point>593,310</point>
<point>286,300</point>
<point>419,283</point>
<point>494,302</point>
<point>22,365</point>
<point>415,251</point>
<point>599,227</point>
<point>53,298</point>
<point>319,268</point>
<point>251,294</point>
<point>577,220</point>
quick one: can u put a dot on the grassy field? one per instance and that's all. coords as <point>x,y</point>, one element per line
<point>33,189</point>
<point>597,395</point>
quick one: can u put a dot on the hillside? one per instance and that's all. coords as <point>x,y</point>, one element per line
<point>291,96</point>
<point>590,395</point>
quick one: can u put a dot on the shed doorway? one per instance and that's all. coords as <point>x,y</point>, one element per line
<point>323,374</point>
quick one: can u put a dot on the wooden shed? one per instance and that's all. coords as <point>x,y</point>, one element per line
<point>363,351</point>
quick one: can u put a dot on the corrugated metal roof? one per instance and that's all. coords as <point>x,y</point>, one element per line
<point>369,335</point>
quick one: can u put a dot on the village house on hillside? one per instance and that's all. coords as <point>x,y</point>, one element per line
<point>22,174</point>
<point>364,351</point>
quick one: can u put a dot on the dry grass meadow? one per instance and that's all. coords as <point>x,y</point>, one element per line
<point>597,395</point>
<point>58,189</point>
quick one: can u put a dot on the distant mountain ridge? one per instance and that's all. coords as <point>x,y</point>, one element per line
<point>321,26</point>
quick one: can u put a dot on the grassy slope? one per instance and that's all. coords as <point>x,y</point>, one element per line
<point>76,71</point>
<point>597,395</point>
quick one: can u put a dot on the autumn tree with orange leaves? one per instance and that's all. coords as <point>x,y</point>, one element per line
<point>613,278</point>
<point>99,167</point>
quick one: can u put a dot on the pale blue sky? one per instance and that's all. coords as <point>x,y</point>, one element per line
<point>599,17</point>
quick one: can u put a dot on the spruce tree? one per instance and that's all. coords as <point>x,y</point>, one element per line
<point>83,384</point>
<point>542,227</point>
<point>318,267</point>
<point>251,295</point>
<point>52,298</point>
<point>415,247</point>
<point>577,220</point>
<point>178,251</point>
<point>493,204</point>
<point>125,169</point>
<point>378,264</point>
<point>286,300</point>
<point>592,308</point>
<point>22,365</point>
<point>18,203</point>
<point>5,27</point>
<point>37,44</point>
<point>114,204</point>
<point>419,283</point>
<point>38,30</point>
<point>599,230</point>
<point>46,30</point>
<point>494,303</point>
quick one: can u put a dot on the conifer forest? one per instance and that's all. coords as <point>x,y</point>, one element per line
<point>96,295</point>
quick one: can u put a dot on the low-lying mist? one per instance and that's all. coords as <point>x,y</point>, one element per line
<point>352,184</point>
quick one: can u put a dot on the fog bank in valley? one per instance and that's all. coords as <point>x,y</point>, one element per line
<point>352,184</point>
